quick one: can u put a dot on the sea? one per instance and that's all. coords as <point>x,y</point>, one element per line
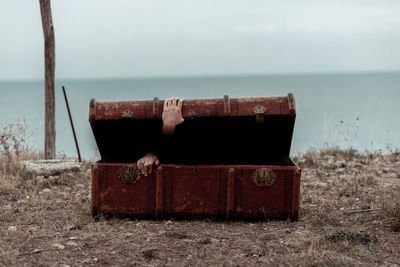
<point>347,110</point>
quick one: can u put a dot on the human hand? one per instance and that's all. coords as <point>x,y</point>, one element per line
<point>146,163</point>
<point>172,114</point>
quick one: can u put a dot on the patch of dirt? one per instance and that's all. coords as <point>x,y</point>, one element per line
<point>350,216</point>
<point>354,238</point>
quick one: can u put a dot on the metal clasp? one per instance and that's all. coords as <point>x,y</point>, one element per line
<point>195,170</point>
<point>259,111</point>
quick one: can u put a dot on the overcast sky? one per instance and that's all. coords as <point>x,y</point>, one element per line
<point>127,38</point>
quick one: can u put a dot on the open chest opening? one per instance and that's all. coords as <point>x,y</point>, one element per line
<point>205,140</point>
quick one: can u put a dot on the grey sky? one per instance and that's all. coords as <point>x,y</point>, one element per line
<point>125,38</point>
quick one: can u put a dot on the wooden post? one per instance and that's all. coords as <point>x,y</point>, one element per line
<point>50,62</point>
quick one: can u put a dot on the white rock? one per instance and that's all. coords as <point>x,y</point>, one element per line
<point>58,246</point>
<point>50,167</point>
<point>12,228</point>
<point>46,190</point>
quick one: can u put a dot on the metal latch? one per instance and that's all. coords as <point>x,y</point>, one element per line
<point>259,111</point>
<point>156,106</point>
<point>227,105</point>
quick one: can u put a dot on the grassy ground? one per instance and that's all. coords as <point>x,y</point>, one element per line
<point>350,216</point>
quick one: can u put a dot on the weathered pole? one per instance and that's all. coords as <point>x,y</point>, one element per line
<point>50,62</point>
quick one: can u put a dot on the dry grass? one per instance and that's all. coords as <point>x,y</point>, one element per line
<point>349,211</point>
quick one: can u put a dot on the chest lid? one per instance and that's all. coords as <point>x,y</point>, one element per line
<point>251,131</point>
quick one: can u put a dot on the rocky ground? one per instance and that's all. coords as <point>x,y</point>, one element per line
<point>350,216</point>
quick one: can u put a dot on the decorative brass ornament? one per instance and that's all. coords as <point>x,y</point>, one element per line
<point>129,175</point>
<point>264,177</point>
<point>259,109</point>
<point>127,114</point>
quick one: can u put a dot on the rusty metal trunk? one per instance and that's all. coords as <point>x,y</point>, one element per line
<point>229,159</point>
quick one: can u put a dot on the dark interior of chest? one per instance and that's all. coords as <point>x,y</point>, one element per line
<point>205,140</point>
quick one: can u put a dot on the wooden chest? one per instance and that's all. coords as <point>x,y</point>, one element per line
<point>229,159</point>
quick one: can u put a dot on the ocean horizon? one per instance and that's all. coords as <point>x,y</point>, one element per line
<point>346,110</point>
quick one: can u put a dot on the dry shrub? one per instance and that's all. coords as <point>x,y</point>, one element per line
<point>13,140</point>
<point>313,156</point>
<point>325,214</point>
<point>356,186</point>
<point>390,204</point>
<point>340,153</point>
<point>13,148</point>
<point>7,186</point>
<point>317,254</point>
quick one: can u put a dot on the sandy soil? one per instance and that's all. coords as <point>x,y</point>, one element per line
<point>350,216</point>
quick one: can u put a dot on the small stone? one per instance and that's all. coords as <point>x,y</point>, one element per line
<point>46,190</point>
<point>58,246</point>
<point>128,234</point>
<point>12,228</point>
<point>86,260</point>
<point>73,238</point>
